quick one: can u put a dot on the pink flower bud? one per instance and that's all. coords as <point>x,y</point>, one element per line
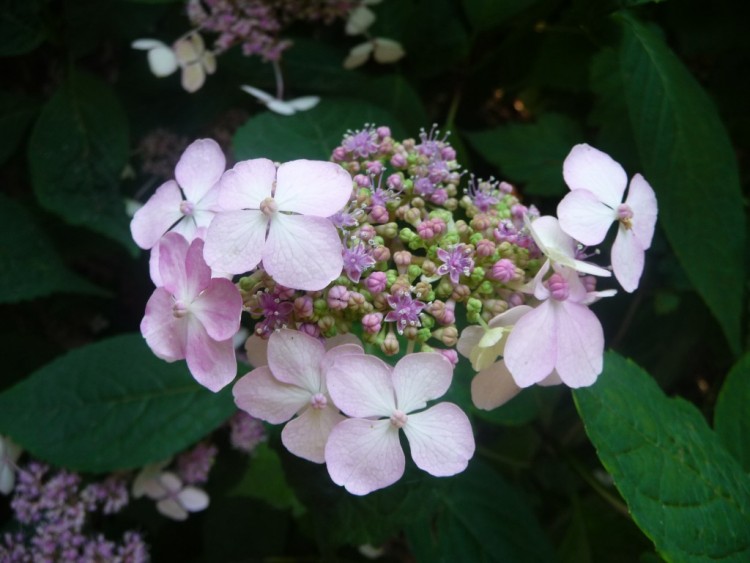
<point>506,188</point>
<point>398,161</point>
<point>362,181</point>
<point>383,131</point>
<point>303,307</point>
<point>449,355</point>
<point>371,323</point>
<point>395,182</point>
<point>375,167</point>
<point>311,329</point>
<point>589,282</point>
<point>448,153</point>
<point>284,293</point>
<point>485,248</point>
<point>439,196</point>
<point>381,254</point>
<point>338,297</point>
<point>504,270</point>
<point>339,154</point>
<point>390,345</point>
<point>379,215</point>
<point>516,299</point>
<point>366,232</point>
<point>376,282</point>
<point>558,287</point>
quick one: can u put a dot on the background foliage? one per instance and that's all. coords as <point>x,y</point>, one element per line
<point>614,472</point>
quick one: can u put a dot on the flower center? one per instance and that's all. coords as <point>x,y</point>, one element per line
<point>625,215</point>
<point>269,206</point>
<point>187,208</point>
<point>399,418</point>
<point>318,401</point>
<point>180,309</point>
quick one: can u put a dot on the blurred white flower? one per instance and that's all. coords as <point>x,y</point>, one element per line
<point>9,454</point>
<point>289,107</point>
<point>382,49</point>
<point>188,53</point>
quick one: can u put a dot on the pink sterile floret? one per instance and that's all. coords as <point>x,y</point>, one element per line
<point>597,185</point>
<point>561,334</point>
<point>280,217</point>
<point>193,316</point>
<point>294,382</point>
<point>363,453</point>
<point>197,174</point>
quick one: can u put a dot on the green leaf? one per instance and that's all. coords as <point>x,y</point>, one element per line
<point>21,26</point>
<point>531,153</point>
<point>308,134</point>
<point>684,490</point>
<point>264,480</point>
<point>16,114</point>
<point>732,416</point>
<point>486,14</point>
<point>29,265</point>
<point>110,405</point>
<point>480,518</point>
<point>77,151</point>
<point>689,160</point>
<point>393,91</point>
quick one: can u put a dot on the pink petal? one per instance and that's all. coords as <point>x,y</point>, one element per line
<point>261,395</point>
<point>197,273</point>
<point>157,215</point>
<point>580,348</point>
<point>247,184</point>
<point>584,217</point>
<point>256,349</point>
<point>193,499</point>
<point>153,267</point>
<point>360,385</point>
<point>312,187</point>
<point>235,241</point>
<point>165,334</point>
<point>199,168</point>
<point>302,252</point>
<point>186,227</point>
<point>364,455</point>
<point>219,308</point>
<point>642,200</point>
<point>421,377</point>
<point>212,363</point>
<point>340,339</point>
<point>294,358</point>
<point>628,259</point>
<point>587,168</point>
<point>509,317</point>
<point>172,253</point>
<point>469,339</point>
<point>336,352</point>
<point>306,435</point>
<point>531,349</point>
<point>493,386</point>
<point>441,439</point>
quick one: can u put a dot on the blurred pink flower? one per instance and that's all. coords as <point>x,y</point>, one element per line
<point>280,217</point>
<point>363,453</point>
<point>193,316</point>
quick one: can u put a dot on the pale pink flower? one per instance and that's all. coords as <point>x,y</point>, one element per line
<point>294,382</point>
<point>597,186</point>
<point>482,345</point>
<point>363,453</point>
<point>280,217</point>
<point>188,53</point>
<point>494,386</point>
<point>558,246</point>
<point>193,316</point>
<point>196,174</point>
<point>173,499</point>
<point>561,334</point>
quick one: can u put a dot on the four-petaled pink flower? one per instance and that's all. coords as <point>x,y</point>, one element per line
<point>294,382</point>
<point>197,173</point>
<point>280,217</point>
<point>363,453</point>
<point>560,334</point>
<point>193,316</point>
<point>597,185</point>
<point>173,499</point>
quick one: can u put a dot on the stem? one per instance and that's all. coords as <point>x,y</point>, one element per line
<point>608,497</point>
<point>489,454</point>
<point>279,80</point>
<point>453,109</point>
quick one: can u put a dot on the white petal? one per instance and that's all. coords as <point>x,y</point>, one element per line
<point>295,357</point>
<point>264,97</point>
<point>247,184</point>
<point>361,386</point>
<point>364,455</point>
<point>421,377</point>
<point>358,55</point>
<point>312,187</point>
<point>584,217</point>
<point>172,509</point>
<point>261,395</point>
<point>147,44</point>
<point>387,50</point>
<point>628,259</point>
<point>301,252</point>
<point>531,350</point>
<point>580,344</point>
<point>304,103</point>
<point>235,241</point>
<point>199,168</point>
<point>162,61</point>
<point>642,200</point>
<point>193,77</point>
<point>493,386</point>
<point>193,499</point>
<point>587,168</point>
<point>360,19</point>
<point>440,439</point>
<point>281,107</point>
<point>306,435</point>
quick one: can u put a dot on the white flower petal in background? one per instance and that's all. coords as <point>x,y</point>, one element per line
<point>161,58</point>
<point>9,454</point>
<point>359,55</point>
<point>360,19</point>
<point>282,107</point>
<point>387,50</point>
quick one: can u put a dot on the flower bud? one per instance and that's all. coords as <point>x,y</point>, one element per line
<point>390,345</point>
<point>376,282</point>
<point>473,305</point>
<point>379,215</point>
<point>338,297</point>
<point>303,307</point>
<point>381,254</point>
<point>310,329</point>
<point>447,335</point>
<point>371,323</point>
<point>460,292</point>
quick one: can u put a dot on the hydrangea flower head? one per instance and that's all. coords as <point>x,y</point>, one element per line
<point>280,217</point>
<point>363,453</point>
<point>196,175</point>
<point>597,186</point>
<point>294,382</point>
<point>193,316</point>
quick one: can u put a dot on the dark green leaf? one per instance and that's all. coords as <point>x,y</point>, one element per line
<point>531,153</point>
<point>684,490</point>
<point>29,265</point>
<point>480,518</point>
<point>110,405</point>
<point>732,416</point>
<point>394,93</point>
<point>486,14</point>
<point>21,26</point>
<point>16,113</point>
<point>77,151</point>
<point>308,134</point>
<point>686,154</point>
<point>264,480</point>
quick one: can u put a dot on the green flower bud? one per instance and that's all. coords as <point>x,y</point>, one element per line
<point>475,238</point>
<point>473,305</point>
<point>486,288</point>
<point>423,334</point>
<point>414,272</point>
<point>428,321</point>
<point>477,275</point>
<point>407,235</point>
<point>320,307</point>
<point>473,317</point>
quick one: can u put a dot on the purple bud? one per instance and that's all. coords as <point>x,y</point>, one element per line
<point>303,306</point>
<point>485,248</point>
<point>310,329</point>
<point>439,197</point>
<point>558,287</point>
<point>504,270</point>
<point>362,180</point>
<point>375,167</point>
<point>395,182</point>
<point>376,282</point>
<point>379,215</point>
<point>372,322</point>
<point>398,161</point>
<point>383,131</point>
<point>449,355</point>
<point>338,297</point>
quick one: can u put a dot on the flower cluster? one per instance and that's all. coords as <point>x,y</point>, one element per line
<point>382,243</point>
